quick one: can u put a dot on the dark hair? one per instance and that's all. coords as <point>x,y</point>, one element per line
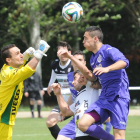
<point>5,53</point>
<point>78,52</point>
<point>77,71</point>
<point>95,31</point>
<point>64,44</point>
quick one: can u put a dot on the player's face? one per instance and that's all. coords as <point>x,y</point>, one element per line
<point>88,42</point>
<point>76,83</point>
<point>16,59</point>
<point>61,58</point>
<point>80,58</point>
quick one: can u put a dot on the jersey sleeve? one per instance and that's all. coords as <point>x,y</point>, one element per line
<point>15,76</point>
<point>53,78</point>
<point>72,107</point>
<point>116,55</point>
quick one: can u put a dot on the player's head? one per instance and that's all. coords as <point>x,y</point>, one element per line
<point>63,45</point>
<point>93,35</point>
<point>11,55</point>
<point>80,56</point>
<point>79,80</point>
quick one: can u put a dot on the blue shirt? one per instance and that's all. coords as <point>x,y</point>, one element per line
<point>114,82</point>
<point>72,89</point>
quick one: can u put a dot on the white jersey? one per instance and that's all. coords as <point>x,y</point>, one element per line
<point>84,99</point>
<point>59,73</point>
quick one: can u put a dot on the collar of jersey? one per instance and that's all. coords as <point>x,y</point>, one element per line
<point>63,67</point>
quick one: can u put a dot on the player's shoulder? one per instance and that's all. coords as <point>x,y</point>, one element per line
<point>7,71</point>
<point>70,73</point>
<point>55,63</point>
<point>107,48</point>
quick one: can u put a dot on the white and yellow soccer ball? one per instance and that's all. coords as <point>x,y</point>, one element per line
<point>72,12</point>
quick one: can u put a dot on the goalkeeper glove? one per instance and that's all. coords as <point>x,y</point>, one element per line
<point>28,53</point>
<point>43,48</point>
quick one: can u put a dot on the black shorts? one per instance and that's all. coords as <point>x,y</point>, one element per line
<point>57,109</point>
<point>34,95</point>
<point>85,138</point>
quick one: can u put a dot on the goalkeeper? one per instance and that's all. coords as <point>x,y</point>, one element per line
<point>12,75</point>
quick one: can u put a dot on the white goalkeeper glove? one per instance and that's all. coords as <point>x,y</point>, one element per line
<point>43,48</point>
<point>28,53</point>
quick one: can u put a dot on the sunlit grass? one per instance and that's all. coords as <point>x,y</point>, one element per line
<point>36,129</point>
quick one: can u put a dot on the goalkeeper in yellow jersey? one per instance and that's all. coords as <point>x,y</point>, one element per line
<point>12,75</point>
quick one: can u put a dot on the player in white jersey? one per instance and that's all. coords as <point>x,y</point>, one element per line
<point>59,73</point>
<point>60,68</point>
<point>86,96</point>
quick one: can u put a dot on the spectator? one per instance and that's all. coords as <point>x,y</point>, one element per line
<point>32,87</point>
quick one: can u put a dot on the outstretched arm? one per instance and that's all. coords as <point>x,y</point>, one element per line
<point>84,70</point>
<point>64,107</point>
<point>116,66</point>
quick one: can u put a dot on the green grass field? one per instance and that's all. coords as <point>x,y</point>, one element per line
<point>35,129</point>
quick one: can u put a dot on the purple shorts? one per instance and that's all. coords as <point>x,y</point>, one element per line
<point>117,110</point>
<point>69,130</point>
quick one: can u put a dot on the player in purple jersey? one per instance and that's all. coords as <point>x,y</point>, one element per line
<point>85,97</point>
<point>108,65</point>
<point>68,131</point>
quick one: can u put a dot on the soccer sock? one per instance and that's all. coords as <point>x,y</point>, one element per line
<point>108,127</point>
<point>54,130</point>
<point>85,138</point>
<point>32,110</point>
<point>97,132</point>
<point>39,109</point>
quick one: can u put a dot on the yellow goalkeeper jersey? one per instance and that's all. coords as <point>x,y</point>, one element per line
<point>11,91</point>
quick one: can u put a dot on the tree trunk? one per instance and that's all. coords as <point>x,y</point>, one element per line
<point>76,34</point>
<point>35,38</point>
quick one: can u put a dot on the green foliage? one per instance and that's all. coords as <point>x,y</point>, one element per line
<point>119,20</point>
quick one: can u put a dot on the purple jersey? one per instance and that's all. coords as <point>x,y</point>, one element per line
<point>72,89</point>
<point>114,82</point>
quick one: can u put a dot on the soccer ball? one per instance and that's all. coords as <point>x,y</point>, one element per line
<point>72,12</point>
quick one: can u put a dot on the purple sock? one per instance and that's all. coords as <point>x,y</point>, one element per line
<point>97,132</point>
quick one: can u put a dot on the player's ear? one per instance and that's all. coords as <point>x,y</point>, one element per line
<point>8,60</point>
<point>96,39</point>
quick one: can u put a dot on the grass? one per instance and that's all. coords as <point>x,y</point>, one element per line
<point>134,107</point>
<point>48,108</point>
<point>27,108</point>
<point>35,129</point>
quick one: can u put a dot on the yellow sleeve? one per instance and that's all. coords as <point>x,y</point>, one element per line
<point>15,76</point>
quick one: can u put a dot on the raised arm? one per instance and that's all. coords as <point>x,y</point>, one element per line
<point>84,70</point>
<point>64,107</point>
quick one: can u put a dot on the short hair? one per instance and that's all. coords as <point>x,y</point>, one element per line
<point>78,52</point>
<point>5,53</point>
<point>64,44</point>
<point>95,31</point>
<point>77,71</point>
